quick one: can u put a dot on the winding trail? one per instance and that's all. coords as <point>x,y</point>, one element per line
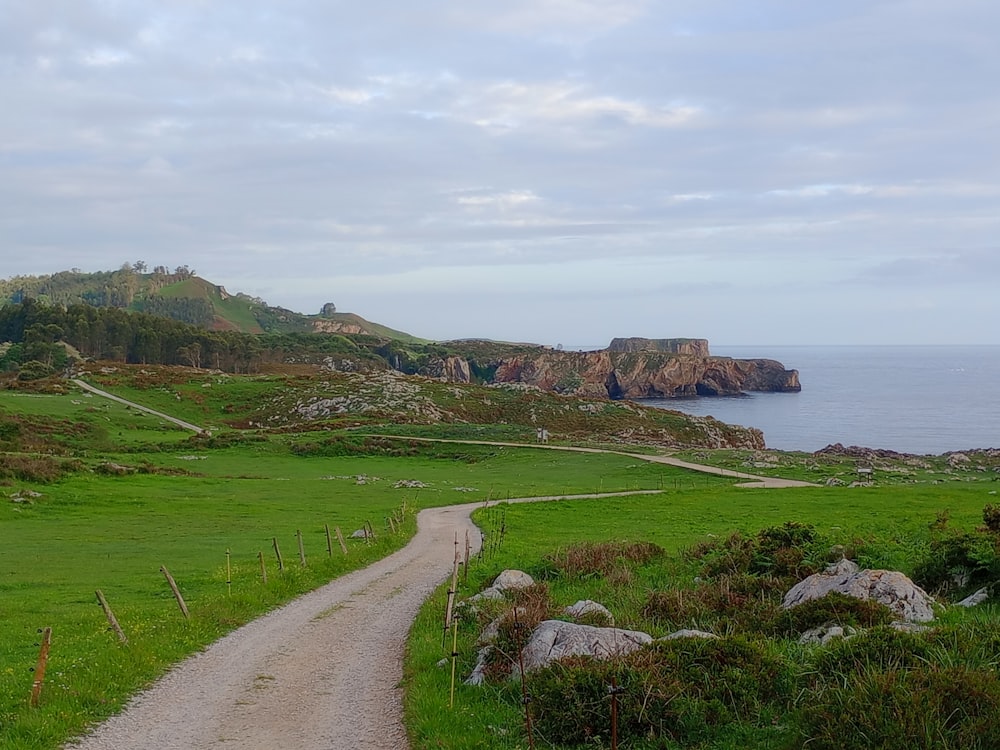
<point>321,673</point>
<point>104,394</point>
<point>750,480</point>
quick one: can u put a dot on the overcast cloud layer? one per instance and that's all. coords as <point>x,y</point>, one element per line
<point>559,171</point>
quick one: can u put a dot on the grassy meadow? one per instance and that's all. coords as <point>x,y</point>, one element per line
<point>142,495</point>
<point>95,495</point>
<point>894,527</point>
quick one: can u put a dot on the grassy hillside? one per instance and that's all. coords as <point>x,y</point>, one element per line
<point>180,295</point>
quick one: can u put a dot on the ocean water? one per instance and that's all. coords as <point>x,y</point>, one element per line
<point>912,399</point>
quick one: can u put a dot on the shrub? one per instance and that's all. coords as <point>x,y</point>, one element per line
<point>683,691</point>
<point>530,606</point>
<point>833,608</point>
<point>605,559</point>
<point>959,561</point>
<point>737,602</point>
<point>880,649</point>
<point>918,709</point>
<point>791,550</point>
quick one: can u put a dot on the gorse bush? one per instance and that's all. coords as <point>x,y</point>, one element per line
<point>684,691</point>
<point>598,559</point>
<point>792,550</point>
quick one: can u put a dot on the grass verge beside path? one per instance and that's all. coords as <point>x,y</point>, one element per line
<point>890,526</point>
<point>91,531</point>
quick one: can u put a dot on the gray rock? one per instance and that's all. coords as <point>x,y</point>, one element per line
<point>687,633</point>
<point>591,609</point>
<point>977,598</point>
<point>554,639</point>
<point>893,589</point>
<point>360,534</point>
<point>826,633</point>
<point>512,580</point>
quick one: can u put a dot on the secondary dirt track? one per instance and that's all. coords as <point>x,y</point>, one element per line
<point>321,673</point>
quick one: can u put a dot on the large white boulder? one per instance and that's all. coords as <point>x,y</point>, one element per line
<point>893,589</point>
<point>554,639</point>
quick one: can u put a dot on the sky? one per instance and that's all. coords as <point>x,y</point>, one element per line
<point>555,171</point>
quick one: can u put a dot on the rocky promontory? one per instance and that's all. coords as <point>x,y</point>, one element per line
<point>630,368</point>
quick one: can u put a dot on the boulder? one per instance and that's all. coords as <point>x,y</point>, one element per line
<point>591,610</point>
<point>893,589</point>
<point>977,598</point>
<point>554,639</point>
<point>512,580</point>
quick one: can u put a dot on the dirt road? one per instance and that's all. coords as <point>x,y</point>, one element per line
<point>104,394</point>
<point>322,673</point>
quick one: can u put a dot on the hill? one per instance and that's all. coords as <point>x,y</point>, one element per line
<point>183,296</point>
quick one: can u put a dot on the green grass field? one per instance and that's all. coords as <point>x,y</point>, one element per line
<point>883,527</point>
<point>184,509</point>
<point>171,499</point>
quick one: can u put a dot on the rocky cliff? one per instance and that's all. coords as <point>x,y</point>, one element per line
<point>631,369</point>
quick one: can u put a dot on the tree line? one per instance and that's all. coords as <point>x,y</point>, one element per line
<point>37,336</point>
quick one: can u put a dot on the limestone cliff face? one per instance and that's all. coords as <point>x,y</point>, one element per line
<point>643,374</point>
<point>336,326</point>
<point>693,347</point>
<point>450,369</point>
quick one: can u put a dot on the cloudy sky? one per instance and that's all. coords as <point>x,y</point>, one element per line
<point>559,171</point>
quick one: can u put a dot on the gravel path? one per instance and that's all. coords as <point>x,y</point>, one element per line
<point>98,392</point>
<point>321,673</point>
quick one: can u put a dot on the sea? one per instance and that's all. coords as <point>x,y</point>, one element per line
<point>911,399</point>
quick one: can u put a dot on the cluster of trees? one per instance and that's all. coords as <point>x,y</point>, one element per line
<point>37,335</point>
<point>103,289</point>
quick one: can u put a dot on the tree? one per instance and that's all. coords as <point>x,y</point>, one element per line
<point>328,310</point>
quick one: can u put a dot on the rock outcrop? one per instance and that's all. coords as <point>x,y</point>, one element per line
<point>645,374</point>
<point>691,347</point>
<point>554,639</point>
<point>893,589</point>
<point>449,369</point>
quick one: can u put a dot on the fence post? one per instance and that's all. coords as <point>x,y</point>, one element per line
<point>302,549</point>
<point>263,568</point>
<point>454,661</point>
<point>329,540</point>
<point>177,592</point>
<point>277,553</point>
<point>340,538</point>
<point>43,661</point>
<point>112,620</point>
<point>229,573</point>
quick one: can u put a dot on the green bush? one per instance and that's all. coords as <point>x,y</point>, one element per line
<point>923,708</point>
<point>683,691</point>
<point>833,608</point>
<point>736,602</point>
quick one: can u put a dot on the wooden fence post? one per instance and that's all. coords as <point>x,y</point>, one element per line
<point>43,661</point>
<point>329,540</point>
<point>277,553</point>
<point>263,568</point>
<point>340,538</point>
<point>302,549</point>
<point>229,573</point>
<point>177,592</point>
<point>112,620</point>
